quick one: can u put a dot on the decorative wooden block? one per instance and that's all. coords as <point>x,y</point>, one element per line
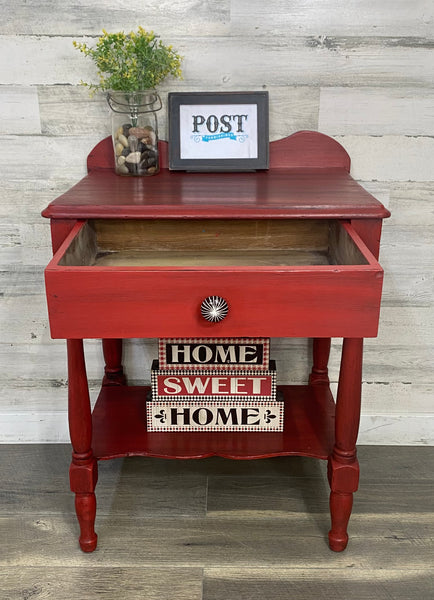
<point>209,415</point>
<point>212,384</point>
<point>185,399</point>
<point>220,353</point>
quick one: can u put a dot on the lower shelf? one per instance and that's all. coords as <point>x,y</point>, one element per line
<point>119,429</point>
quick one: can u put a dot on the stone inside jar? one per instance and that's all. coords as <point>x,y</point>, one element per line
<point>136,150</point>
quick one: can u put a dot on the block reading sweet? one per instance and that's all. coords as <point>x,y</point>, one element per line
<point>200,385</point>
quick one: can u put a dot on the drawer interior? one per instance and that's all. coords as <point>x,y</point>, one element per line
<point>213,242</point>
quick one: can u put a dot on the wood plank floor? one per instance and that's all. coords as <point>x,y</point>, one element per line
<point>216,529</point>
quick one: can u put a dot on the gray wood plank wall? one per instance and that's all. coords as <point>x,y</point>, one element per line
<point>361,71</point>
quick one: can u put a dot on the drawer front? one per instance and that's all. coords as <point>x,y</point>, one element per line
<point>125,302</point>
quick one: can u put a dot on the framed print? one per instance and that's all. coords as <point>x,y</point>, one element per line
<point>218,131</point>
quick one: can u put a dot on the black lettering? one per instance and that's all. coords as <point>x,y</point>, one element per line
<point>174,414</point>
<point>201,354</point>
<point>197,120</point>
<point>224,120</point>
<point>173,352</point>
<point>208,416</point>
<point>248,354</point>
<point>212,123</point>
<point>231,414</point>
<point>239,120</point>
<point>246,415</point>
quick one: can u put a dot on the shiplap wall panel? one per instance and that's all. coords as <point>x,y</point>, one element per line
<point>79,17</point>
<point>51,156</point>
<point>377,111</point>
<point>335,17</point>
<point>24,198</point>
<point>242,61</point>
<point>66,110</point>
<point>390,157</point>
<point>238,17</point>
<point>397,398</point>
<point>412,204</point>
<point>361,71</point>
<point>52,427</point>
<point>19,110</point>
<point>400,430</point>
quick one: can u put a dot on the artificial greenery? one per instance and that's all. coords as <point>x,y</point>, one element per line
<point>131,62</point>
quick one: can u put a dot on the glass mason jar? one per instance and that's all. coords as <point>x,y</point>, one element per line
<point>135,131</point>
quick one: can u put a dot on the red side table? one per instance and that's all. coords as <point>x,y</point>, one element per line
<point>294,252</point>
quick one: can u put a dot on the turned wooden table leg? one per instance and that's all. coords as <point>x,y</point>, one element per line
<point>343,467</point>
<point>321,353</point>
<point>83,472</point>
<point>114,372</point>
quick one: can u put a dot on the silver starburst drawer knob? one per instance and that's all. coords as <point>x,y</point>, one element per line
<point>214,308</point>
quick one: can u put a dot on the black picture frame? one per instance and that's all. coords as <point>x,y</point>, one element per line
<point>190,134</point>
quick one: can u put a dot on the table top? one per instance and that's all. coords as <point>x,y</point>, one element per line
<point>308,178</point>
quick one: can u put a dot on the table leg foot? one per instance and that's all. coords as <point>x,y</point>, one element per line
<point>85,506</point>
<point>83,475</point>
<point>343,478</point>
<point>340,511</point>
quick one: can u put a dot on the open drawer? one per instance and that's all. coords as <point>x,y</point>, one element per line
<point>149,278</point>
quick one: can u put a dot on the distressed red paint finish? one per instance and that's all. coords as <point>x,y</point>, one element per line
<point>319,301</point>
<point>308,179</point>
